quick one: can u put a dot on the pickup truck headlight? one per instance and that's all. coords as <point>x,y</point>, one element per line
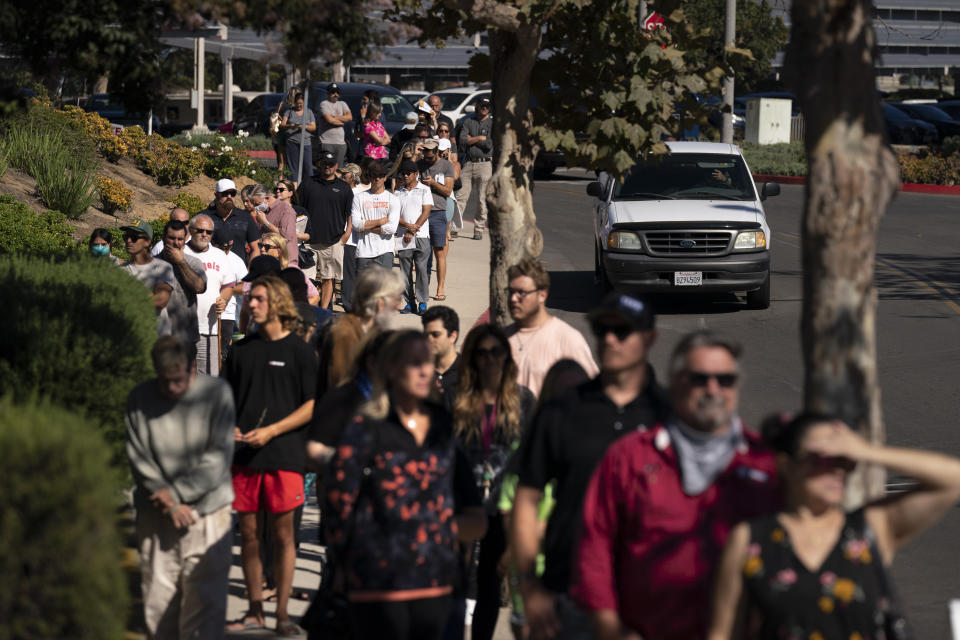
<point>624,240</point>
<point>750,240</point>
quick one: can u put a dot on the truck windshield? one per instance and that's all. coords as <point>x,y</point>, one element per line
<point>701,176</point>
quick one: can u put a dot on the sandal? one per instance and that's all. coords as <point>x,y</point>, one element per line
<point>440,297</point>
<point>246,623</point>
<point>288,628</point>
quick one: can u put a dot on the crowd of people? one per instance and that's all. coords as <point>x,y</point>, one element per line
<point>614,505</point>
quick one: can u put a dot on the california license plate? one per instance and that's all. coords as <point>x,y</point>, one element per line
<point>687,278</point>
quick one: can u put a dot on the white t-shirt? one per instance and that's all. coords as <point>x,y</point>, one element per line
<point>412,202</point>
<point>239,270</point>
<point>352,240</point>
<point>220,273</point>
<point>370,206</point>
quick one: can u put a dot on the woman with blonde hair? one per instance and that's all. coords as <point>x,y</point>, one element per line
<point>400,498</point>
<point>489,415</point>
<point>274,244</point>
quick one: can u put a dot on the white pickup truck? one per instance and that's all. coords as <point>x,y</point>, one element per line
<point>688,221</point>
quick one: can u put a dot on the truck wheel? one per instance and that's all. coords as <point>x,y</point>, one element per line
<point>760,299</point>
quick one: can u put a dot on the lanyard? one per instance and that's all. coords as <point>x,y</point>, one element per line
<point>488,429</point>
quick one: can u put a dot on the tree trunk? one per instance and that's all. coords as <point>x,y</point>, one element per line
<point>853,174</point>
<point>513,228</point>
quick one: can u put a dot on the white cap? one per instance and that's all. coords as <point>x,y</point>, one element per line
<point>224,184</point>
<point>423,106</point>
<point>444,144</point>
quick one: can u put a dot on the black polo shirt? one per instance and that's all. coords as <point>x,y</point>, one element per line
<point>565,442</point>
<point>445,385</point>
<point>328,204</point>
<point>241,227</point>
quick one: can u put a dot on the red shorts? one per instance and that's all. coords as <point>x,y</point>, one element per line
<point>274,491</point>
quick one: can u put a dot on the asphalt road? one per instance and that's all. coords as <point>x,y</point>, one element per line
<point>918,279</point>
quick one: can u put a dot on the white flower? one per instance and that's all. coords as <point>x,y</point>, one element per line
<point>188,136</point>
<point>227,148</point>
<point>249,161</point>
<point>242,134</point>
<point>253,172</point>
<point>204,145</point>
<point>193,148</point>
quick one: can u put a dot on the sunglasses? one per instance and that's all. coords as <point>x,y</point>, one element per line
<point>407,173</point>
<point>823,464</point>
<point>135,236</point>
<point>280,190</point>
<point>231,193</point>
<point>443,130</point>
<point>267,247</point>
<point>493,352</point>
<point>201,232</point>
<point>619,331</point>
<point>700,379</point>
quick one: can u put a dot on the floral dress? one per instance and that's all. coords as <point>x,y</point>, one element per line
<point>842,600</point>
<point>371,147</point>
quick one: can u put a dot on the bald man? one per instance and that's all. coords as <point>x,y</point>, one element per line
<point>177,214</point>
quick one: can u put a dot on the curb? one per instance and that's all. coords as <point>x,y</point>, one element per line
<point>260,155</point>
<point>908,187</point>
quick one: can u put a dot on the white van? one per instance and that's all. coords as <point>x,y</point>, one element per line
<point>685,222</point>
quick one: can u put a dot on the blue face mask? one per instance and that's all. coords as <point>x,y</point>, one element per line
<point>100,250</point>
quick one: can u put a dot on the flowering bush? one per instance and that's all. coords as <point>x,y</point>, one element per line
<point>189,202</point>
<point>114,195</point>
<point>110,145</point>
<point>930,168</point>
<point>222,160</point>
<point>168,162</point>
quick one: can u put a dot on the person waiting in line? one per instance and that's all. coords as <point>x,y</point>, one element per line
<point>375,137</point>
<point>299,122</point>
<point>813,569</point>
<point>400,496</point>
<point>274,244</point>
<point>413,236</point>
<point>375,215</point>
<point>489,414</point>
<point>101,244</point>
<point>275,216</point>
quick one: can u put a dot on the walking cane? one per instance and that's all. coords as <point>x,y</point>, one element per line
<point>219,344</point>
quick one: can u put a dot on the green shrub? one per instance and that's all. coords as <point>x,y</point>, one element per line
<point>24,231</point>
<point>949,146</point>
<point>252,143</point>
<point>929,168</point>
<point>41,116</point>
<point>61,560</point>
<point>114,195</point>
<point>776,159</point>
<point>4,163</point>
<point>168,162</point>
<point>80,334</point>
<point>190,203</point>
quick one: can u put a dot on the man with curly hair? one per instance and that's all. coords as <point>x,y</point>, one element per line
<point>274,376</point>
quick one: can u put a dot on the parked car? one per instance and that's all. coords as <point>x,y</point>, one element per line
<point>117,114</point>
<point>415,96</point>
<point>688,222</point>
<point>902,129</point>
<point>930,113</point>
<point>461,101</point>
<point>397,111</point>
<point>255,117</point>
<point>951,107</point>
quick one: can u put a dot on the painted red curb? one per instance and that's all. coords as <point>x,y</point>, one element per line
<point>264,155</point>
<point>908,187</point>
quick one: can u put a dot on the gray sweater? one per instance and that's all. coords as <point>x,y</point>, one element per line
<point>184,446</point>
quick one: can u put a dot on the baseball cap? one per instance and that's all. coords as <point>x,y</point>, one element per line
<point>423,106</point>
<point>633,311</point>
<point>220,236</point>
<point>225,184</point>
<point>333,87</point>
<point>430,143</point>
<point>139,226</point>
<point>307,316</point>
<point>326,157</point>
<point>483,101</point>
<point>408,166</point>
<point>443,144</point>
<point>261,266</point>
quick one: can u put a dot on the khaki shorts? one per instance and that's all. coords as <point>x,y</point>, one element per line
<point>329,260</point>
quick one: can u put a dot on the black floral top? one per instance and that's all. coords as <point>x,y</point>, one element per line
<point>842,600</point>
<point>392,503</point>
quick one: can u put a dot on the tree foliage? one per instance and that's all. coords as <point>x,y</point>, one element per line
<point>758,31</point>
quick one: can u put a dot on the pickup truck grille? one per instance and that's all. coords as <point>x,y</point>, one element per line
<point>687,242</point>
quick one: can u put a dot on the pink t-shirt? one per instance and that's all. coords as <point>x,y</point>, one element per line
<point>372,148</point>
<point>536,350</point>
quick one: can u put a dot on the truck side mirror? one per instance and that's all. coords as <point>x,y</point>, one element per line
<point>769,189</point>
<point>594,189</point>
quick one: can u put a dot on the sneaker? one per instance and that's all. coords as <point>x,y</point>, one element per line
<point>422,309</point>
<point>406,309</point>
<point>478,234</point>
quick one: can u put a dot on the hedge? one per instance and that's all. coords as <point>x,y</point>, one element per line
<point>25,231</point>
<point>79,333</point>
<point>61,560</point>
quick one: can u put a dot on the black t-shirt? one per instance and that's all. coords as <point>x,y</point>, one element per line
<point>271,379</point>
<point>445,385</point>
<point>241,226</point>
<point>328,206</point>
<point>565,442</point>
<point>333,411</point>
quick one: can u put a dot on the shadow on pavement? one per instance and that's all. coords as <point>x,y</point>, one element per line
<point>941,274</point>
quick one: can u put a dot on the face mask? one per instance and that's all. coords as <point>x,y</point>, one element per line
<point>262,207</point>
<point>100,250</point>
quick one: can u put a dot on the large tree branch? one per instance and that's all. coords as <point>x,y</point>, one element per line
<point>490,12</point>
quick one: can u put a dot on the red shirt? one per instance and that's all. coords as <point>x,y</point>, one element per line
<point>648,550</point>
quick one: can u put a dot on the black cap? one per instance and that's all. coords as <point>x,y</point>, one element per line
<point>221,236</point>
<point>634,311</point>
<point>408,166</point>
<point>484,101</point>
<point>333,87</point>
<point>326,157</point>
<point>261,266</point>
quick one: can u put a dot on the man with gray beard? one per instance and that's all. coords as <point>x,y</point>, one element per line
<point>662,502</point>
